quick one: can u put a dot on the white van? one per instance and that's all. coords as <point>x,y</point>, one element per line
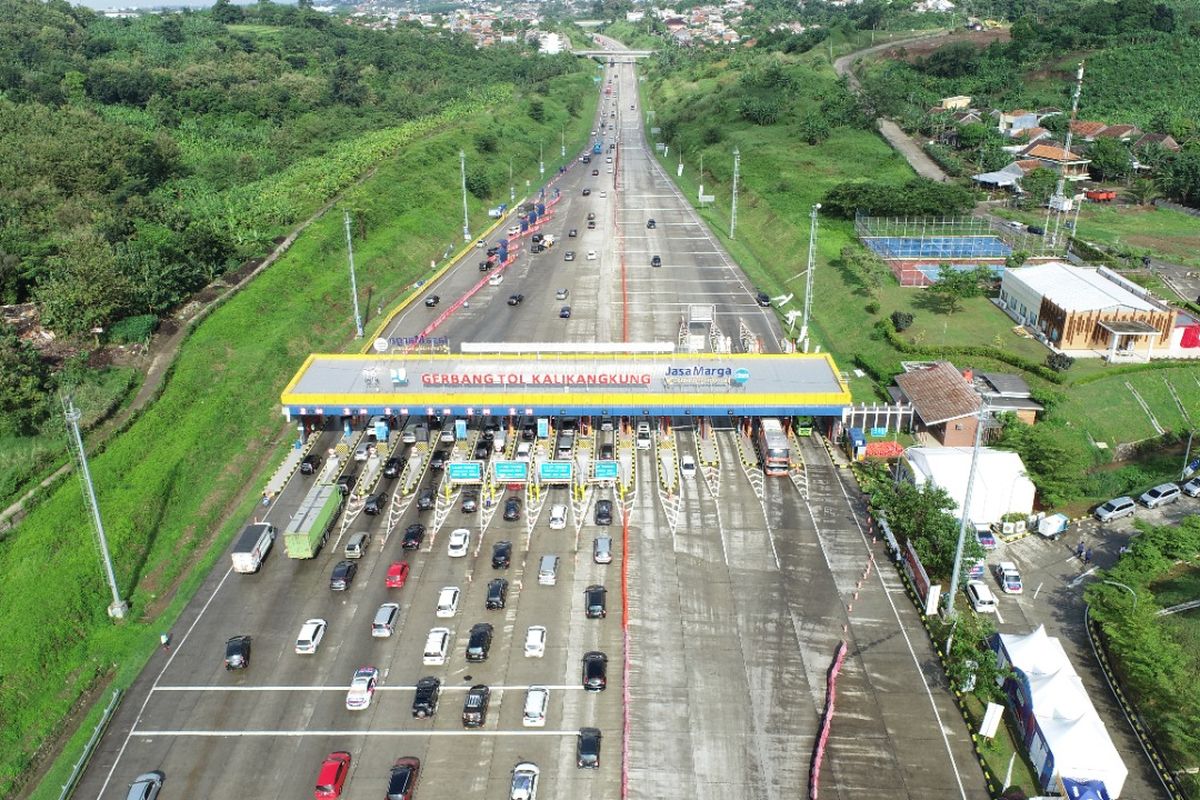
<point>981,597</point>
<point>437,644</point>
<point>252,546</point>
<point>537,700</point>
<point>447,604</point>
<point>548,570</point>
<point>643,436</point>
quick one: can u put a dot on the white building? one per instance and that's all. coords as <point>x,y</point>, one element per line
<point>1001,483</point>
<point>551,44</point>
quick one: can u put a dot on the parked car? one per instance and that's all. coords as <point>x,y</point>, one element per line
<point>763,299</point>
<point>1115,509</point>
<point>331,777</point>
<point>414,535</point>
<point>397,575</point>
<point>362,688</point>
<point>1008,577</point>
<point>650,223</point>
<point>981,597</point>
<point>1192,487</point>
<point>237,652</point>
<point>402,779</point>
<point>987,539</point>
<point>425,701</point>
<point>1161,495</point>
<point>310,464</point>
<point>342,575</point>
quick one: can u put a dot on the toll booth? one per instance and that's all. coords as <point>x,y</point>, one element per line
<point>856,444</point>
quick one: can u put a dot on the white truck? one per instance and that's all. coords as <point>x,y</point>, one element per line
<point>252,547</point>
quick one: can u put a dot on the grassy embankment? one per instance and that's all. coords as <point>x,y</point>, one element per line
<point>177,484</point>
<point>782,177</point>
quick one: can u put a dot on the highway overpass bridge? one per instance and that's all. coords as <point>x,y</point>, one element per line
<point>615,55</point>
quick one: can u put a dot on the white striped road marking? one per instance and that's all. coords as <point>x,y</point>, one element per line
<point>223,734</point>
<point>407,688</point>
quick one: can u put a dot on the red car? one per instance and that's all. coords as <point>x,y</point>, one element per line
<point>397,574</point>
<point>332,776</point>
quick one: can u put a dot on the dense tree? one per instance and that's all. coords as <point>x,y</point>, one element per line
<point>1110,160</point>
<point>1039,184</point>
<point>1179,176</point>
<point>917,196</point>
<point>955,285</point>
<point>925,516</point>
<point>24,382</point>
<point>83,289</point>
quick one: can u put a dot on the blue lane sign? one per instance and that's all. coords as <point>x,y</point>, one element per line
<point>555,471</point>
<point>543,427</point>
<point>460,429</point>
<point>465,471</point>
<point>511,471</point>
<point>607,470</point>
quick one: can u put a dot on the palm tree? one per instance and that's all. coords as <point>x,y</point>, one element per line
<point>1143,191</point>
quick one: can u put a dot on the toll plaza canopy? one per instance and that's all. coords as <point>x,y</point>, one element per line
<point>659,384</point>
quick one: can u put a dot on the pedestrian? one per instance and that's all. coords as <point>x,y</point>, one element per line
<point>1079,549</point>
<point>1087,557</point>
<point>165,640</point>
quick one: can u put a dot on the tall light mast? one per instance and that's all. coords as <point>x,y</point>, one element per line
<point>1059,203</point>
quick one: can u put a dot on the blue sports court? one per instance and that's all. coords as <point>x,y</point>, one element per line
<point>935,247</point>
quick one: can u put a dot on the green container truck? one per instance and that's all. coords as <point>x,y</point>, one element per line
<point>310,525</point>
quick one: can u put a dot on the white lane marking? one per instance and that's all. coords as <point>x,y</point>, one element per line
<point>223,734</point>
<point>406,688</point>
<point>903,632</point>
<point>174,652</point>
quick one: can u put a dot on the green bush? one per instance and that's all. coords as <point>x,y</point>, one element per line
<point>132,329</point>
<point>872,307</point>
<point>901,320</point>
<point>1059,362</point>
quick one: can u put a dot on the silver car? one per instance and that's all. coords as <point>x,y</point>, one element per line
<point>1115,509</point>
<point>145,786</point>
<point>1160,495</point>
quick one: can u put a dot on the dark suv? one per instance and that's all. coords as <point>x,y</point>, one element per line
<point>656,261</point>
<point>604,512</point>
<point>343,575</point>
<point>475,707</point>
<point>587,753</point>
<point>512,509</point>
<point>310,464</point>
<point>391,468</point>
<point>237,652</point>
<point>375,503</point>
<point>346,482</point>
<point>413,536</point>
<point>497,593</point>
<point>594,602</point>
<point>595,671</point>
<point>438,460</point>
<point>501,555</point>
<point>425,702</point>
<point>470,501</point>
<point>480,642</point>
<point>426,499</point>
<point>402,780</point>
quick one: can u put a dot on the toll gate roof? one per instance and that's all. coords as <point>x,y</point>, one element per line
<point>700,384</point>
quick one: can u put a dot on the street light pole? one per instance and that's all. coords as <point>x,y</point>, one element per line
<point>965,516</point>
<point>1126,588</point>
<point>512,188</point>
<point>808,277</point>
<point>541,160</point>
<point>353,283</point>
<point>737,160</point>
<point>462,165</point>
<point>562,147</point>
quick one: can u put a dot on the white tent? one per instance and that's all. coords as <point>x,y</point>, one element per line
<point>1070,739</point>
<point>1001,483</point>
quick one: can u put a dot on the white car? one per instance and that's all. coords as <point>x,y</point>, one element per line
<point>496,280</point>
<point>1192,488</point>
<point>460,540</point>
<point>362,689</point>
<point>525,781</point>
<point>605,194</point>
<point>610,169</point>
<point>981,598</point>
<point>524,449</point>
<point>311,634</point>
<point>558,517</point>
<point>447,604</point>
<point>591,255</point>
<point>498,442</point>
<point>535,641</point>
<point>687,466</point>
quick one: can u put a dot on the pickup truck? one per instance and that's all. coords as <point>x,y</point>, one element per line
<point>1009,577</point>
<point>498,211</point>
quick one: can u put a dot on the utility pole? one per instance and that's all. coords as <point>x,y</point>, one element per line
<point>562,147</point>
<point>541,161</point>
<point>119,608</point>
<point>965,517</point>
<point>353,283</point>
<point>512,188</point>
<point>737,162</point>
<point>462,166</point>
<point>808,277</point>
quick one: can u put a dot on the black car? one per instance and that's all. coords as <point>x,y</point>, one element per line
<point>606,451</point>
<point>480,641</point>
<point>342,576</point>
<point>516,299</point>
<point>573,233</point>
<point>512,509</point>
<point>391,468</point>
<point>763,299</point>
<point>413,536</point>
<point>604,512</point>
<point>594,602</point>
<point>310,464</point>
<point>650,223</point>
<point>491,251</point>
<point>425,702</point>
<point>346,482</point>
<point>402,780</point>
<point>656,261</point>
<point>1036,230</point>
<point>237,652</point>
<point>375,503</point>
<point>537,237</point>
<point>470,501</point>
<point>595,172</point>
<point>528,432</point>
<point>497,594</point>
<point>595,671</point>
<point>438,459</point>
<point>432,301</point>
<point>482,451</point>
<point>586,192</point>
<point>501,554</point>
<point>564,312</point>
<point>484,266</point>
<point>475,707</point>
<point>587,752</point>
<point>426,499</point>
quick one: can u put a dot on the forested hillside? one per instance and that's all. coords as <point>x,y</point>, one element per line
<point>139,158</point>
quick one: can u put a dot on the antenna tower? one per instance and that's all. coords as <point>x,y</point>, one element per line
<point>1060,203</point>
